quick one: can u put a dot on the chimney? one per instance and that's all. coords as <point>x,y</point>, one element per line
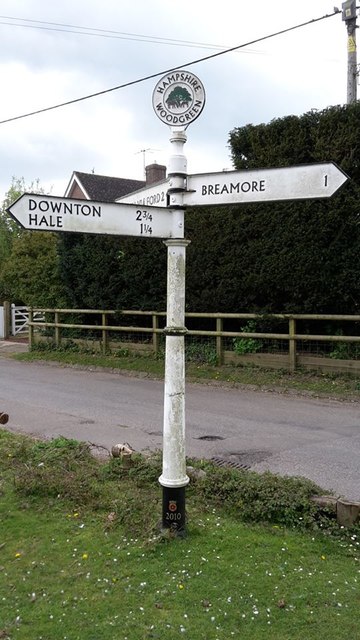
<point>155,173</point>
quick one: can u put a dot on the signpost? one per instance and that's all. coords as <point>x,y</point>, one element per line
<point>178,99</point>
<point>264,185</point>
<point>152,196</point>
<point>49,213</point>
<point>308,181</point>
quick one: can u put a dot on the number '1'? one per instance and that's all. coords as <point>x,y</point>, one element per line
<point>325,180</point>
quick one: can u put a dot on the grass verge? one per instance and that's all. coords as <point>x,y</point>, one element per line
<point>81,556</point>
<point>310,382</point>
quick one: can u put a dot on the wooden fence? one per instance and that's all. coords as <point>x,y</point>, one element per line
<point>286,350</point>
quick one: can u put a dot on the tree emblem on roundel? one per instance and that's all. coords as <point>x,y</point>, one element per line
<point>178,98</point>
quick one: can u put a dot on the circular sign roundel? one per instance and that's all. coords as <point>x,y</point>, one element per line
<point>178,98</point>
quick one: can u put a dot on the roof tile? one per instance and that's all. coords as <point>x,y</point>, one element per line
<point>107,188</point>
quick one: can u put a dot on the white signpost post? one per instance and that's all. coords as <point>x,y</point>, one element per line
<point>158,212</point>
<point>178,99</point>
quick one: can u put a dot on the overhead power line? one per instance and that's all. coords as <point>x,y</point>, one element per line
<point>107,33</point>
<point>164,72</point>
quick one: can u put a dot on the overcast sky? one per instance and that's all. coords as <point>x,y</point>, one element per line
<point>124,41</point>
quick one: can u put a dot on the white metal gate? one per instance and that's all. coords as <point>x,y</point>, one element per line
<point>2,323</point>
<point>20,317</point>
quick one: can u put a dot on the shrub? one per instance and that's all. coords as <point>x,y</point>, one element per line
<point>262,497</point>
<point>201,353</point>
<point>247,345</point>
<point>59,468</point>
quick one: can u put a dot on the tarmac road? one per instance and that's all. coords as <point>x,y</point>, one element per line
<point>286,434</point>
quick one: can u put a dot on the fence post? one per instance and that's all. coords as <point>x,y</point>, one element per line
<point>31,329</point>
<point>57,330</point>
<point>7,313</point>
<point>155,336</point>
<point>219,341</point>
<point>105,335</point>
<point>12,319</point>
<point>292,344</point>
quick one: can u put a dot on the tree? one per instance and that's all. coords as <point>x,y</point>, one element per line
<point>112,273</point>
<point>91,270</point>
<point>179,97</point>
<point>9,229</point>
<point>294,256</point>
<point>28,260</point>
<point>31,274</point>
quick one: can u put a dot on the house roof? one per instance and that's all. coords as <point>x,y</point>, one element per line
<point>102,188</point>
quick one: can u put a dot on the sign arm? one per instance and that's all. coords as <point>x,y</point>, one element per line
<point>37,212</point>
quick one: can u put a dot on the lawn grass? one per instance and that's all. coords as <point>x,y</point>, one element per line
<point>84,559</point>
<point>314,383</point>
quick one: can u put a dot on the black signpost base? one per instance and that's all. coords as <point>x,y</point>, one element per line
<point>174,510</point>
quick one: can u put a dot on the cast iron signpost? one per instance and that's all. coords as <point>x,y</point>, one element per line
<point>49,213</point>
<point>264,185</point>
<point>158,212</point>
<point>152,196</point>
<point>307,181</point>
<point>178,99</point>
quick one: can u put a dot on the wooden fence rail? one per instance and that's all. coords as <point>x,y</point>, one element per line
<point>292,359</point>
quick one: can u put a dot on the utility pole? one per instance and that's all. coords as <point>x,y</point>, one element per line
<point>349,17</point>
